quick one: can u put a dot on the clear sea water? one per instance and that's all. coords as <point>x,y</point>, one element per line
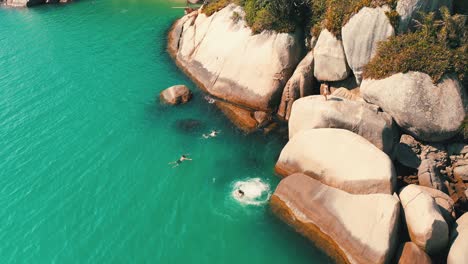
<point>85,147</point>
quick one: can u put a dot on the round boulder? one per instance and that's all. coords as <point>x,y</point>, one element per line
<point>330,59</point>
<point>178,94</point>
<point>359,117</point>
<point>361,35</point>
<point>426,225</point>
<point>426,111</point>
<point>458,253</point>
<point>338,158</point>
<point>350,228</point>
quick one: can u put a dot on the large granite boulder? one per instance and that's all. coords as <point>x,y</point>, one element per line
<point>412,254</point>
<point>428,112</point>
<point>443,201</point>
<point>458,253</point>
<point>338,158</point>
<point>361,35</point>
<point>350,228</point>
<point>298,86</point>
<point>231,63</point>
<point>426,225</point>
<point>409,9</point>
<point>178,94</point>
<point>359,117</point>
<point>330,60</point>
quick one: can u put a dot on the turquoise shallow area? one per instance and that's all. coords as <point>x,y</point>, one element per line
<point>84,148</point>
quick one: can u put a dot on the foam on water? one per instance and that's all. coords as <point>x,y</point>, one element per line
<point>255,191</point>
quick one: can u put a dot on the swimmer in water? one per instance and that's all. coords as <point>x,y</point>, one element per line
<point>210,100</point>
<point>240,193</point>
<point>212,134</point>
<point>180,160</point>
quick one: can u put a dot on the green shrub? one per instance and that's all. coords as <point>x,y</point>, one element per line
<point>215,6</point>
<point>278,15</point>
<point>436,48</point>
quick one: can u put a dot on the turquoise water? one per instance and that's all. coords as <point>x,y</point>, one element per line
<point>84,148</point>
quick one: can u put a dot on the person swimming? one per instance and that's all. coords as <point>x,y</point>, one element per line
<point>212,134</point>
<point>240,193</point>
<point>180,160</point>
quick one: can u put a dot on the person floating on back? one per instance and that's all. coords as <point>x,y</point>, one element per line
<point>180,160</point>
<point>212,134</point>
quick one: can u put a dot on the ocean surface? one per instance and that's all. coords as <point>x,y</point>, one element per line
<point>85,147</point>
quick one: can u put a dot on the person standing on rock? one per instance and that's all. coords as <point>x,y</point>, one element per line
<point>326,91</point>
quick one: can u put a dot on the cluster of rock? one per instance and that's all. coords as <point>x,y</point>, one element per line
<point>344,186</point>
<point>214,50</point>
<point>29,3</point>
<point>340,190</point>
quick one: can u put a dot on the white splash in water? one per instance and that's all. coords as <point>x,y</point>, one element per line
<point>255,192</point>
<point>210,99</point>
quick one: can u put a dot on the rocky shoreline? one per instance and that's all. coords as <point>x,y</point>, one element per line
<point>375,173</point>
<point>30,3</point>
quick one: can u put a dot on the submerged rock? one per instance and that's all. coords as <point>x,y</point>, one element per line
<point>338,158</point>
<point>178,94</point>
<point>350,228</point>
<point>428,112</point>
<point>189,125</point>
<point>228,61</point>
<point>426,225</point>
<point>298,86</point>
<point>458,253</point>
<point>359,117</point>
<point>361,35</point>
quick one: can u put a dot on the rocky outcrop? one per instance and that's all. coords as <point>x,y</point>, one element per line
<point>409,9</point>
<point>350,228</point>
<point>431,161</point>
<point>29,3</point>
<point>412,254</point>
<point>338,158</point>
<point>298,86</point>
<point>359,117</point>
<point>361,35</point>
<point>330,60</point>
<point>458,253</point>
<point>426,111</point>
<point>439,166</point>
<point>426,226</point>
<point>242,118</point>
<point>229,62</point>
<point>178,94</point>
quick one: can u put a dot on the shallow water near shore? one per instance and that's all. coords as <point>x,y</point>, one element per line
<point>85,147</point>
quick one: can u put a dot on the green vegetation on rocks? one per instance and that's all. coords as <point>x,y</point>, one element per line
<point>438,47</point>
<point>288,15</point>
<point>277,15</point>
